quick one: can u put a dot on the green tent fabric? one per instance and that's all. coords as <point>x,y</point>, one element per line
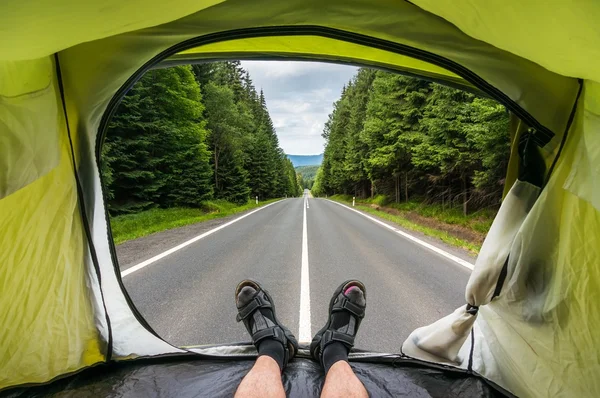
<point>64,66</point>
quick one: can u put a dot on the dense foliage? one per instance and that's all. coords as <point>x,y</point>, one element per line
<point>306,175</point>
<point>187,134</point>
<point>409,138</point>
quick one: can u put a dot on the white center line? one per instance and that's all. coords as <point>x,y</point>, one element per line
<point>418,241</point>
<point>304,334</point>
<point>146,263</point>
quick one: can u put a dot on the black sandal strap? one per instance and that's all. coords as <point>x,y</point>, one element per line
<point>345,304</point>
<point>331,336</point>
<point>274,332</point>
<point>257,302</point>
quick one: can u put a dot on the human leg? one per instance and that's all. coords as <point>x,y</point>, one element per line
<point>263,380</point>
<point>275,344</point>
<point>342,382</point>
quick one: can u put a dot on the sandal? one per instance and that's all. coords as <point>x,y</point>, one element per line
<point>327,334</point>
<point>264,327</point>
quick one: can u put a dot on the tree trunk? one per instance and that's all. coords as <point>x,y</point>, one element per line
<point>397,187</point>
<point>465,195</point>
<point>372,189</point>
<point>406,186</point>
<point>216,170</point>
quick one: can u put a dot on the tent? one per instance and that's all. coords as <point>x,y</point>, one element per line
<point>531,315</point>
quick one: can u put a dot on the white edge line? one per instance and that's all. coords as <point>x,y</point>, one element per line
<point>304,333</point>
<point>418,241</point>
<point>164,254</point>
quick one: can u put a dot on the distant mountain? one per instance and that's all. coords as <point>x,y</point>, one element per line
<point>306,160</point>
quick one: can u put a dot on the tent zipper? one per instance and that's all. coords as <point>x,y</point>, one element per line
<point>542,137</point>
<point>543,134</point>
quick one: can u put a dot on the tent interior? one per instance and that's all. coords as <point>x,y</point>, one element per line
<point>531,305</point>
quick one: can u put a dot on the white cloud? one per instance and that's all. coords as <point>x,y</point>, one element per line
<point>290,106</point>
<point>300,96</point>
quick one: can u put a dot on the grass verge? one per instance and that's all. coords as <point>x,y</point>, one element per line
<point>132,226</point>
<point>448,225</point>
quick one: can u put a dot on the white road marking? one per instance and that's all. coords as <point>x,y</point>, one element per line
<point>304,334</point>
<point>418,241</point>
<point>164,254</point>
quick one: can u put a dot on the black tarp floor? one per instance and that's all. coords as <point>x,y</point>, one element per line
<point>219,378</point>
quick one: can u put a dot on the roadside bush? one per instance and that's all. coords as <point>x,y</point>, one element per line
<point>381,200</point>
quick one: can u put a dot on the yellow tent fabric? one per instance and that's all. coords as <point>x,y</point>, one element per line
<point>562,36</point>
<point>35,28</point>
<point>30,146</point>
<point>59,284</point>
<point>332,50</point>
<point>47,316</point>
<point>543,329</point>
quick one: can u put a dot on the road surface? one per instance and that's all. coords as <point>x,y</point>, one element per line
<point>187,296</point>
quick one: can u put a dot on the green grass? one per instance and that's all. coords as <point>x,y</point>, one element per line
<point>479,221</point>
<point>132,226</point>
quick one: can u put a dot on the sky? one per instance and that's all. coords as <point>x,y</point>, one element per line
<point>300,96</point>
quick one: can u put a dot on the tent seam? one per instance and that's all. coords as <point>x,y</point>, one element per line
<point>470,365</point>
<point>85,222</point>
<point>566,133</point>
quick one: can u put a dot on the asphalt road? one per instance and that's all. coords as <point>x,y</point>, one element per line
<point>187,297</point>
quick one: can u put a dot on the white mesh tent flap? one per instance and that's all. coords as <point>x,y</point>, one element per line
<point>442,340</point>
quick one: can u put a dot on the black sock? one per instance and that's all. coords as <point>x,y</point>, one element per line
<point>333,353</point>
<point>269,347</point>
<point>274,349</point>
